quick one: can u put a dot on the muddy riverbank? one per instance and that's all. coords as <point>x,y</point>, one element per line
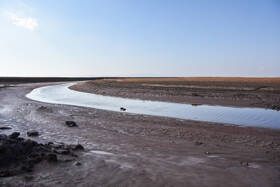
<point>139,150</point>
<point>227,91</point>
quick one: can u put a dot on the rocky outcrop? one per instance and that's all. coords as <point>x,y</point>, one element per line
<point>20,155</point>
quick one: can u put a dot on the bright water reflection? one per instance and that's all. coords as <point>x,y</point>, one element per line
<point>61,94</point>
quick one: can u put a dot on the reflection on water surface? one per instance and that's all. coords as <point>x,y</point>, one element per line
<point>61,94</point>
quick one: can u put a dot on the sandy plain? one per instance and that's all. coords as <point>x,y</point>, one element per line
<point>123,149</point>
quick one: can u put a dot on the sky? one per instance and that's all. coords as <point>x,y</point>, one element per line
<point>140,38</point>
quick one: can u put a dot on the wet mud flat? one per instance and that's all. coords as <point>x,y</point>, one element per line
<point>226,91</point>
<point>122,149</point>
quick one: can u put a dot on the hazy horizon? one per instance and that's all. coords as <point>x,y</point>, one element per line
<point>140,38</point>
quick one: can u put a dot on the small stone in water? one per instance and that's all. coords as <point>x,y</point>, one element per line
<point>123,109</point>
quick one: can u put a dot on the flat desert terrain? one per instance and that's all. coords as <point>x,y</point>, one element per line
<point>123,149</point>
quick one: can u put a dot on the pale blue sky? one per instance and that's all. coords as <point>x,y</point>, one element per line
<point>140,38</point>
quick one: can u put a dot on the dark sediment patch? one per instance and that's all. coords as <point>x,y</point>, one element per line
<point>5,128</point>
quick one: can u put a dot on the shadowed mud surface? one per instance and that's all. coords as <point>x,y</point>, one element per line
<point>122,149</point>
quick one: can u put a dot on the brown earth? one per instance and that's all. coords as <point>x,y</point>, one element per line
<point>123,149</point>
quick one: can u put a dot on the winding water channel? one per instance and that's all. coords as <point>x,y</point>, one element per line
<point>61,94</point>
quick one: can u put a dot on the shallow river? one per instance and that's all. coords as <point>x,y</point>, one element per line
<point>61,94</point>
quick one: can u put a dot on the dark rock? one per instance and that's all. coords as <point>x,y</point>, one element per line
<point>17,148</point>
<point>71,124</point>
<point>30,144</point>
<point>123,109</point>
<point>19,155</point>
<point>79,147</point>
<point>6,156</point>
<point>36,160</point>
<point>34,155</point>
<point>20,139</point>
<point>78,164</point>
<point>57,146</point>
<point>32,133</point>
<point>49,143</point>
<point>198,143</point>
<point>39,149</point>
<point>3,148</point>
<point>3,136</point>
<point>43,155</point>
<point>51,157</point>
<point>14,135</point>
<point>5,173</point>
<point>26,168</point>
<point>64,152</point>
